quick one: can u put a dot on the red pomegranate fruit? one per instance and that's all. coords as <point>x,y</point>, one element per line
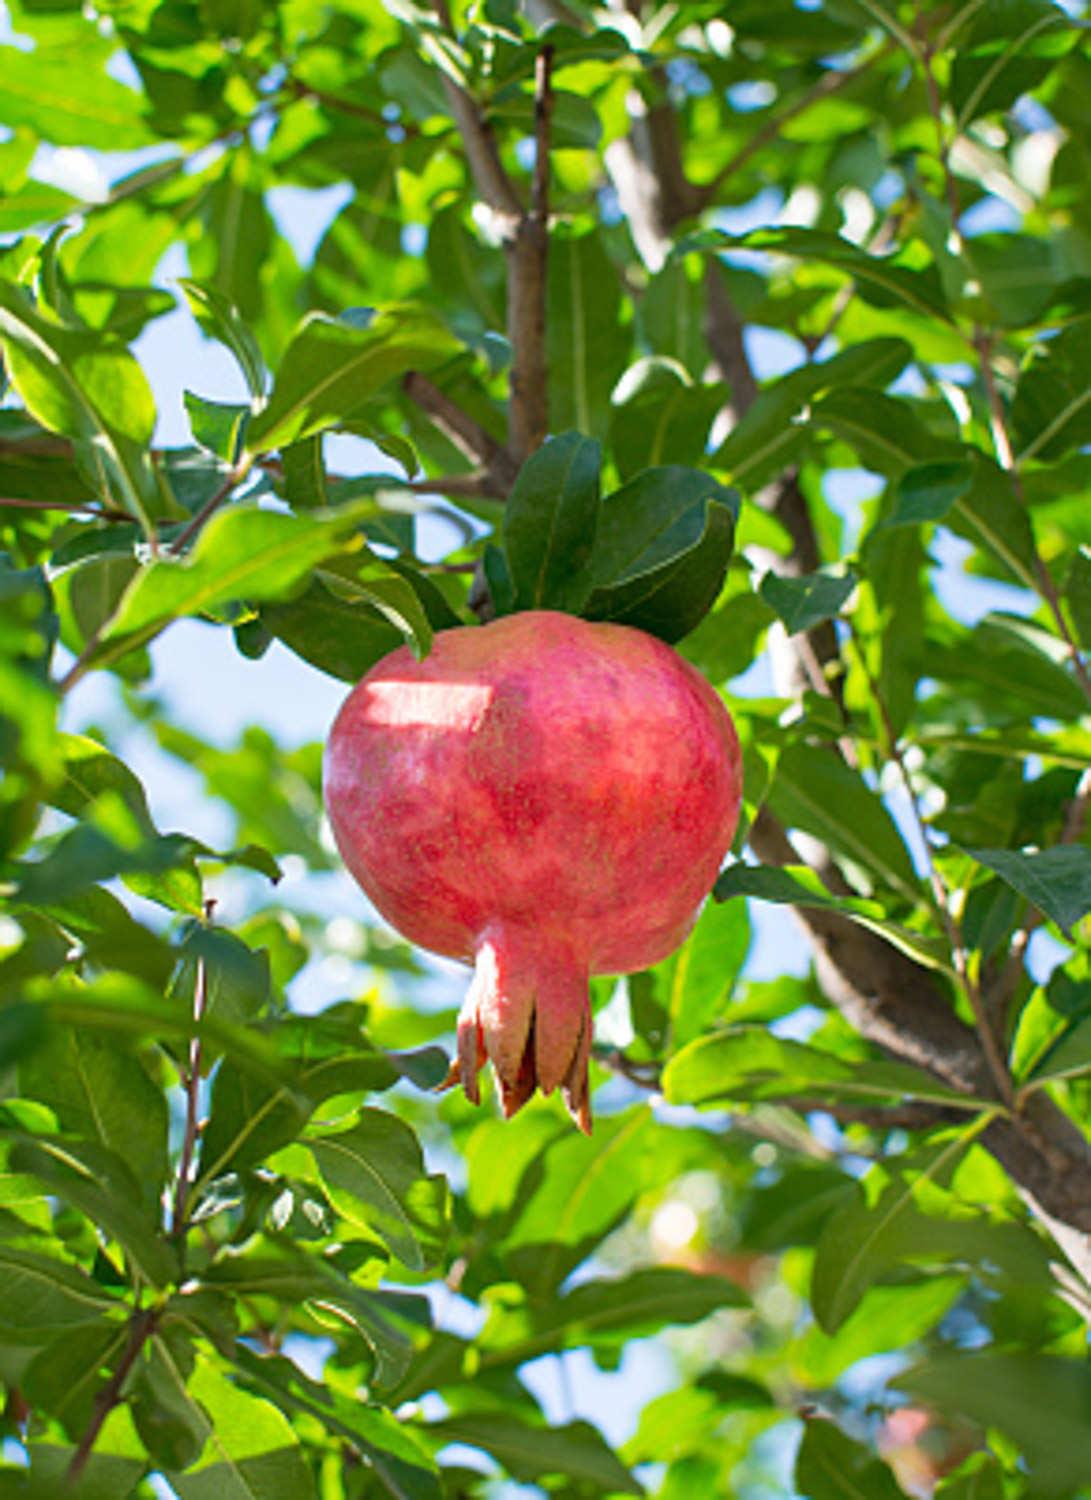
<point>542,797</point>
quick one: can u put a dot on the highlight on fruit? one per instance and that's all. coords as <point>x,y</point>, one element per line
<point>547,799</point>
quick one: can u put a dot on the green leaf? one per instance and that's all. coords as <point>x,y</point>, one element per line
<point>41,1298</point>
<point>293,1277</point>
<point>331,369</point>
<point>1051,410</point>
<point>662,549</point>
<point>804,602</point>
<point>575,1450</point>
<point>250,1451</point>
<point>88,388</point>
<point>763,440</point>
<point>1077,593</point>
<point>402,1467</point>
<point>344,637</point>
<point>749,1063</point>
<point>116,1465</point>
<point>97,1182</point>
<point>815,791</point>
<point>584,1187</point>
<point>587,344</point>
<point>374,1173</point>
<point>70,106</point>
<point>367,579</point>
<point>218,426</point>
<point>927,491</point>
<point>862,1243</point>
<point>1008,51</point>
<point>1056,881</point>
<point>660,416</point>
<point>797,885</point>
<point>243,553</point>
<point>1040,1401</point>
<point>880,279</point>
<point>1069,1057</point>
<point>635,1305</point>
<point>830,1466</point>
<point>220,320</point>
<point>695,983</point>
<point>102,1093</point>
<point>550,522</point>
<point>117,1002</point>
<point>65,1376</point>
<point>171,1425</point>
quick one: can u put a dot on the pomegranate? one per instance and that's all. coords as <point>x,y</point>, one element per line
<point>547,799</point>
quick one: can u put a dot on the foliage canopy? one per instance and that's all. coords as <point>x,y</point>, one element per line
<point>751,325</point>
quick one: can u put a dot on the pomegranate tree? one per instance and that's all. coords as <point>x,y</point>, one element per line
<point>546,799</point>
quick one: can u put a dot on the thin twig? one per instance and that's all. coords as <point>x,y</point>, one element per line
<point>212,505</point>
<point>300,90</point>
<point>73,507</point>
<point>468,436</point>
<point>192,1088</point>
<point>831,82</point>
<point>141,1327</point>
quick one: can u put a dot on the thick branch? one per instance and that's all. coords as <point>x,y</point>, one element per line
<point>528,410</point>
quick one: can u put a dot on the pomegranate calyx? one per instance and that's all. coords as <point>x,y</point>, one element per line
<point>527,1012</point>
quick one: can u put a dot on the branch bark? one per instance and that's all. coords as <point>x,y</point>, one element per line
<point>528,410</point>
<point>895,1003</point>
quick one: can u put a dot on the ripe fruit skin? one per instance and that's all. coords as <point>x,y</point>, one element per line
<point>543,797</point>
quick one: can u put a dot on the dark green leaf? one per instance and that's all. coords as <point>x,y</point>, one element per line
<point>1051,412</point>
<point>550,522</point>
<point>830,1466</point>
<point>1056,881</point>
<point>587,344</point>
<point>796,885</point>
<point>806,601</point>
<point>1041,1401</point>
<point>577,1451</point>
<point>747,1063</point>
<point>41,1297</point>
<point>664,541</point>
<point>814,790</point>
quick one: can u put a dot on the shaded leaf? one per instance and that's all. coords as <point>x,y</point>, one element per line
<point>805,602</point>
<point>550,522</point>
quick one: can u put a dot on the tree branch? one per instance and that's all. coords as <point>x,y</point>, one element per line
<point>528,411</point>
<point>141,1327</point>
<point>468,436</point>
<point>830,83</point>
<point>492,182</point>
